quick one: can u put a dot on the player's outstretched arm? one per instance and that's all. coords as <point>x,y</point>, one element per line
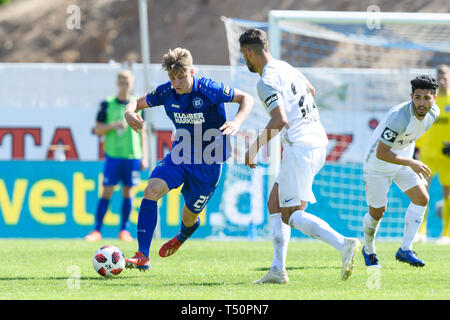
<point>278,120</point>
<point>384,153</point>
<point>245,107</point>
<point>133,119</point>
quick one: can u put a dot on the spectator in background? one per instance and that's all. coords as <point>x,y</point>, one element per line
<point>125,153</point>
<point>434,150</point>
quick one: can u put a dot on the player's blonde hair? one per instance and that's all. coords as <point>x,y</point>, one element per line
<point>443,68</point>
<point>178,60</point>
<point>125,73</point>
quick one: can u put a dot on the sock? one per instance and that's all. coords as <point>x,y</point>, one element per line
<point>316,228</point>
<point>423,226</point>
<point>370,228</point>
<point>148,216</point>
<point>413,220</point>
<point>446,217</point>
<point>186,232</point>
<point>102,207</point>
<point>126,210</point>
<point>281,233</point>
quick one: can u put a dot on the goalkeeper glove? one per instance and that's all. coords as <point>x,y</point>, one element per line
<point>446,149</point>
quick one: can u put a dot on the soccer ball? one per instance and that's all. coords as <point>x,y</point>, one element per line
<point>109,261</point>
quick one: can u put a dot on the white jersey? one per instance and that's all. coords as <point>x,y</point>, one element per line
<point>399,129</point>
<point>282,84</point>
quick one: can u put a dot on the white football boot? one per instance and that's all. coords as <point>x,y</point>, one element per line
<point>348,252</point>
<point>274,277</point>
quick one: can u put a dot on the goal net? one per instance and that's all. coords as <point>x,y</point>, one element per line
<point>361,64</point>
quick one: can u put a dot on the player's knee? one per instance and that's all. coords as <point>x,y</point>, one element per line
<point>285,218</point>
<point>154,190</point>
<point>107,192</point>
<point>286,214</point>
<point>421,199</point>
<point>127,192</point>
<point>377,213</point>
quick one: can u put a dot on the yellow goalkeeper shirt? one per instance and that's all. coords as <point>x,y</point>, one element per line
<point>432,142</point>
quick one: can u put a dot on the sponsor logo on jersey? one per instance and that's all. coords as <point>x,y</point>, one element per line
<point>271,99</point>
<point>403,142</point>
<point>175,106</point>
<point>189,118</point>
<point>389,134</point>
<point>226,90</point>
<point>161,163</point>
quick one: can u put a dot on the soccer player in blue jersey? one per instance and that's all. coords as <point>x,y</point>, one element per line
<point>196,108</point>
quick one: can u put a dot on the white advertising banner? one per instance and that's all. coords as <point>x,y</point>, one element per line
<point>47,104</point>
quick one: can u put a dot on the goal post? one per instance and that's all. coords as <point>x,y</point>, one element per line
<point>372,19</point>
<point>360,39</point>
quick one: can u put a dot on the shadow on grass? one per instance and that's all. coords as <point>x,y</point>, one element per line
<point>298,268</point>
<point>178,284</point>
<point>113,281</point>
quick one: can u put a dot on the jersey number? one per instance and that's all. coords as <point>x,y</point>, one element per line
<point>200,203</point>
<point>305,109</point>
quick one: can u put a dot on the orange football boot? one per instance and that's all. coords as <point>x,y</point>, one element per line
<point>125,236</point>
<point>139,261</point>
<point>170,247</point>
<point>93,236</point>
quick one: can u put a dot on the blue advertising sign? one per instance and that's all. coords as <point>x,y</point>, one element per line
<point>48,199</point>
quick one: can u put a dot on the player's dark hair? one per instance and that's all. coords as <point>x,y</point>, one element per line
<point>254,37</point>
<point>424,82</point>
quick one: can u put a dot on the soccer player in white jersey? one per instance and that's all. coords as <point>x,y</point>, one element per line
<point>390,158</point>
<point>287,96</point>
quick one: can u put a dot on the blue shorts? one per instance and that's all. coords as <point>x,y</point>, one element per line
<point>200,180</point>
<point>118,170</point>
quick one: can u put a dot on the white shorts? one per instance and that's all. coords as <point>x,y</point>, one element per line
<point>297,170</point>
<point>378,184</point>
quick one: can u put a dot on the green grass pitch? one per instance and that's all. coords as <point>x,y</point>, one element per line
<point>59,269</point>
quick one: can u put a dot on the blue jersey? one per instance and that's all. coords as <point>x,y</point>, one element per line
<point>197,117</point>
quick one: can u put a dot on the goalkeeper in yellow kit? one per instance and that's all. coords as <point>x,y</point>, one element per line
<point>434,149</point>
